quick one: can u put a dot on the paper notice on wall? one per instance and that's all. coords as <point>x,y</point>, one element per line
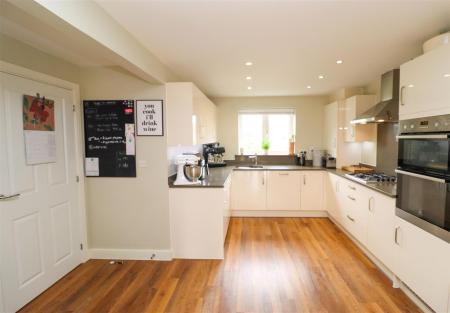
<point>40,147</point>
<point>130,139</point>
<point>92,167</point>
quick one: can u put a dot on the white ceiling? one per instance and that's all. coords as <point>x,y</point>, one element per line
<point>289,42</point>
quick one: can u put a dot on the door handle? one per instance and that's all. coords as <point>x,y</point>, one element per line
<point>351,187</point>
<point>283,174</point>
<point>370,203</point>
<point>351,198</point>
<point>396,235</point>
<point>401,95</point>
<point>10,197</point>
<point>304,180</point>
<point>350,218</point>
<point>263,180</point>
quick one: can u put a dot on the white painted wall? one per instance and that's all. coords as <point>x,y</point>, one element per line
<point>309,121</point>
<point>128,213</point>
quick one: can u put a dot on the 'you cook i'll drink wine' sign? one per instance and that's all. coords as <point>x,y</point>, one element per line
<point>149,116</point>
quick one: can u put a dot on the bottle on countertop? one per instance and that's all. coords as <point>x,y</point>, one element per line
<point>292,145</point>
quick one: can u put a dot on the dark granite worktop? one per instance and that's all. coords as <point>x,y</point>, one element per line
<point>218,176</point>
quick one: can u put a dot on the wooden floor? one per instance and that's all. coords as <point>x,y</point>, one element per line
<point>271,265</point>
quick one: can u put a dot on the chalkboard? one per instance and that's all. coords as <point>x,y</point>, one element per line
<point>109,138</point>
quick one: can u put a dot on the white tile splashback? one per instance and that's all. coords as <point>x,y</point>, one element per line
<point>173,151</point>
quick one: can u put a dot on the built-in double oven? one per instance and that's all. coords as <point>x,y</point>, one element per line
<point>423,174</point>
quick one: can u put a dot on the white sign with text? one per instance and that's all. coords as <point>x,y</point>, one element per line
<point>149,117</point>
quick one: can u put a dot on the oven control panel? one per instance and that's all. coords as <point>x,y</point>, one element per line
<point>432,124</point>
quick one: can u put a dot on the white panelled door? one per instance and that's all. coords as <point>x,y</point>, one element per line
<point>40,229</point>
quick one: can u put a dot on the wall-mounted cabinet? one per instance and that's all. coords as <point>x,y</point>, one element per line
<point>191,116</point>
<point>354,106</point>
<point>425,84</point>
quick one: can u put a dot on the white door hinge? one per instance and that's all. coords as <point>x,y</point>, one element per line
<point>81,246</point>
<point>77,179</point>
<point>73,108</point>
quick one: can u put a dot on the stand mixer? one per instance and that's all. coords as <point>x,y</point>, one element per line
<point>183,160</point>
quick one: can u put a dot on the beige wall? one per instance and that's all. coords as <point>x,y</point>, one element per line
<point>15,52</point>
<point>128,213</point>
<point>309,122</point>
<point>122,213</point>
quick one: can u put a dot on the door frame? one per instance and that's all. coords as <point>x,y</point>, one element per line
<point>12,69</point>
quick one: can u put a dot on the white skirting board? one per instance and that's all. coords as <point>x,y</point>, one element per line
<point>266,213</point>
<point>130,254</point>
<point>395,281</point>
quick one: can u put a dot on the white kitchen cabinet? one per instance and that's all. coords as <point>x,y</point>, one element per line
<point>283,190</point>
<point>330,128</point>
<point>226,206</point>
<point>191,116</point>
<point>198,222</point>
<point>331,193</point>
<point>425,84</point>
<point>249,190</point>
<point>423,264</point>
<point>312,188</point>
<point>354,106</point>
<point>354,205</point>
<point>380,228</point>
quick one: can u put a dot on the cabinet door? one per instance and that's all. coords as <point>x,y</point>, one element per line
<point>425,85</point>
<point>331,189</point>
<point>248,190</point>
<point>312,189</point>
<point>380,228</point>
<point>283,190</point>
<point>423,264</point>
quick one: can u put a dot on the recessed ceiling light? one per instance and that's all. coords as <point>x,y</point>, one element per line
<point>248,78</point>
<point>410,85</point>
<point>446,75</point>
<point>249,87</point>
<point>249,63</point>
<point>321,77</point>
<point>309,87</point>
<point>339,62</point>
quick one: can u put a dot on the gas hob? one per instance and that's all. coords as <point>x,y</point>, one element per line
<point>372,178</point>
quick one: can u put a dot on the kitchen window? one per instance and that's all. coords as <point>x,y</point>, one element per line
<point>272,127</point>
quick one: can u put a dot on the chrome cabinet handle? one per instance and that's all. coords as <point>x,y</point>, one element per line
<point>10,197</point>
<point>263,180</point>
<point>351,198</point>
<point>396,235</point>
<point>350,218</point>
<point>370,204</point>
<point>337,186</point>
<point>401,95</point>
<point>351,187</point>
<point>283,174</point>
<point>304,180</point>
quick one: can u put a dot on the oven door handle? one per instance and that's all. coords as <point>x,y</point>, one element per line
<point>439,180</point>
<point>428,136</point>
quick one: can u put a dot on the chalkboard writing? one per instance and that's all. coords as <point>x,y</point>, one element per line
<point>109,138</point>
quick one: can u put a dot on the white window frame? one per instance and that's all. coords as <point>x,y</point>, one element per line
<point>266,112</point>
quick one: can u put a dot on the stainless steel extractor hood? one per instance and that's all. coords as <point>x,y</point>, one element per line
<point>387,109</point>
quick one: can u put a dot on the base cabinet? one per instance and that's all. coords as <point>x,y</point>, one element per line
<point>423,264</point>
<point>419,259</point>
<point>283,190</point>
<point>380,229</point>
<point>259,190</point>
<point>248,190</point>
<point>312,189</point>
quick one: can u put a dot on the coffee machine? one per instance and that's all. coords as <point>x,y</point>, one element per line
<point>213,155</point>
